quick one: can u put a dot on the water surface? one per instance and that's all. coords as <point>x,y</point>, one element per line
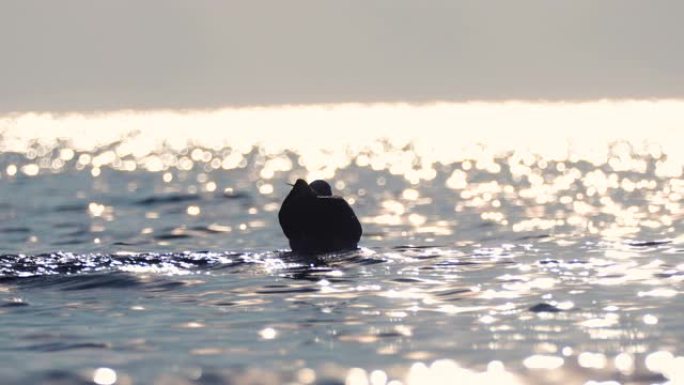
<point>133,256</point>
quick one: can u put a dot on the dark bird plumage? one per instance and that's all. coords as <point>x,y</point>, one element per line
<point>316,222</point>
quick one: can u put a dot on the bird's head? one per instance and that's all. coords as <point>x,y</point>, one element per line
<point>321,188</point>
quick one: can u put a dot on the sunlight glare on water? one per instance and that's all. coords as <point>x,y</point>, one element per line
<point>504,243</point>
<point>535,156</point>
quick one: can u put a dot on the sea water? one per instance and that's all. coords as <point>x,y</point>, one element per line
<point>503,243</point>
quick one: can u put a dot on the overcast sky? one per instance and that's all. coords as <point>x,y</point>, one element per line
<point>98,54</point>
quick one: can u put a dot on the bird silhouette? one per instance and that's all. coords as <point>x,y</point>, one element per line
<point>315,221</point>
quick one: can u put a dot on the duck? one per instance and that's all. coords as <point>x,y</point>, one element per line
<point>317,222</point>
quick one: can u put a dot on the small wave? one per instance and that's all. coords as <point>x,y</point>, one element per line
<point>72,271</point>
<point>9,230</point>
<point>14,303</point>
<point>96,268</point>
<point>14,266</point>
<point>286,290</point>
<point>53,377</point>
<point>649,243</point>
<point>69,208</point>
<point>171,198</point>
<point>64,346</point>
<point>89,281</point>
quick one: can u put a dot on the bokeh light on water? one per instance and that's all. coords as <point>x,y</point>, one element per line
<point>504,243</point>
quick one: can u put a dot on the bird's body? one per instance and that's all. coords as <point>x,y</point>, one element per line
<point>316,222</point>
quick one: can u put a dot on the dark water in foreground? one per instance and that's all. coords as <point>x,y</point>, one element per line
<point>499,268</point>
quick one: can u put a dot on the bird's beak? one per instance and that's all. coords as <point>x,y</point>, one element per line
<point>289,184</point>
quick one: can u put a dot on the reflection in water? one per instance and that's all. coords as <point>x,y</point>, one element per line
<point>504,243</point>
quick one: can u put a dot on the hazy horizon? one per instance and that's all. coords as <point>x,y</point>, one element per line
<point>82,56</point>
